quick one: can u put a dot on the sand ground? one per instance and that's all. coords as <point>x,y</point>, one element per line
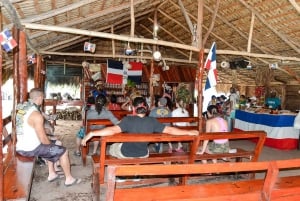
<point>42,190</point>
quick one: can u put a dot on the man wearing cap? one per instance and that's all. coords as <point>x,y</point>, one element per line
<point>139,123</point>
<point>160,111</point>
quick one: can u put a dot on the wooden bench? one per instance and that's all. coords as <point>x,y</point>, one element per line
<point>88,124</point>
<point>120,114</point>
<point>252,155</point>
<point>271,188</point>
<point>18,170</point>
<point>173,120</point>
<point>100,162</point>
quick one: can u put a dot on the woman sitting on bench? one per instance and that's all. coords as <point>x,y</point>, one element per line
<point>215,123</point>
<point>137,123</point>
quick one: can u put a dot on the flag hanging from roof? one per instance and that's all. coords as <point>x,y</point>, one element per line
<point>119,72</point>
<point>91,47</point>
<point>115,72</point>
<point>211,66</point>
<point>7,41</point>
<point>134,73</point>
<point>31,59</point>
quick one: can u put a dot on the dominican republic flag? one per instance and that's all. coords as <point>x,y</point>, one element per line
<point>211,66</point>
<point>7,41</point>
<point>31,59</point>
<point>119,73</point>
<point>90,47</point>
<point>115,72</point>
<point>134,74</point>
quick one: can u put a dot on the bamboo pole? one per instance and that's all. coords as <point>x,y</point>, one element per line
<point>250,32</point>
<point>132,19</point>
<point>113,43</point>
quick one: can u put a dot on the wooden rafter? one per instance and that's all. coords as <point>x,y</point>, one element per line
<point>280,35</point>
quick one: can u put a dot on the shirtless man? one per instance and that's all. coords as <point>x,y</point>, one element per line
<point>33,141</point>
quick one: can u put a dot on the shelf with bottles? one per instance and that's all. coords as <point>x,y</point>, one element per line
<point>119,90</point>
<point>142,86</point>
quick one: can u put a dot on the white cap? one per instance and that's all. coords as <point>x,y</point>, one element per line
<point>253,98</point>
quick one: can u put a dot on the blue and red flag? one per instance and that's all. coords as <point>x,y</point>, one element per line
<point>31,59</point>
<point>115,72</point>
<point>135,72</point>
<point>211,66</point>
<point>7,41</point>
<point>119,72</point>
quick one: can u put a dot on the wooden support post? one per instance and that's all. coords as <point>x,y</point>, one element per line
<point>151,83</point>
<point>16,83</point>
<point>23,70</point>
<point>1,123</point>
<point>37,73</point>
<point>200,64</point>
<point>42,74</point>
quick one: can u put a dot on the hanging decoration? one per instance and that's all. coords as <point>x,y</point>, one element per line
<point>89,47</point>
<point>7,41</point>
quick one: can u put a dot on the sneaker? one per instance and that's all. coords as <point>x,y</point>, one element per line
<point>179,149</point>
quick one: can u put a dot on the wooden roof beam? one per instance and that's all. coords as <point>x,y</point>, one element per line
<point>295,5</point>
<point>144,27</point>
<point>250,32</point>
<point>280,35</point>
<point>186,16</point>
<point>149,41</point>
<point>53,13</point>
<point>212,23</point>
<point>61,45</point>
<point>76,21</point>
<point>118,56</point>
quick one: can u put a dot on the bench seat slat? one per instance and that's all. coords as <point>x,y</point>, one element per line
<point>199,191</point>
<point>18,178</point>
<point>285,188</point>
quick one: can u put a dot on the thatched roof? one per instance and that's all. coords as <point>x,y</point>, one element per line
<point>263,32</point>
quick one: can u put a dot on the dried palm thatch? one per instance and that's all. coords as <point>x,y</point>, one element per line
<point>263,32</point>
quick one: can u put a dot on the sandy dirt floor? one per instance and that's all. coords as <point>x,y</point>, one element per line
<point>42,190</point>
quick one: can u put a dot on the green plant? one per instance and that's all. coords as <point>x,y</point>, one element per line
<point>184,94</point>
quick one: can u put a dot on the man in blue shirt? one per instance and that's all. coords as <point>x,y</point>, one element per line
<point>273,102</point>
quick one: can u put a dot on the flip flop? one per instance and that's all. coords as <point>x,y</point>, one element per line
<point>76,181</point>
<point>55,178</point>
<point>59,172</point>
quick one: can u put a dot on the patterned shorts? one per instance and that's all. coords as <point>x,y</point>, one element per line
<point>50,152</point>
<point>218,148</point>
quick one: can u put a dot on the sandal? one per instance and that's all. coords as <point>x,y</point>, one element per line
<point>77,153</point>
<point>179,149</point>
